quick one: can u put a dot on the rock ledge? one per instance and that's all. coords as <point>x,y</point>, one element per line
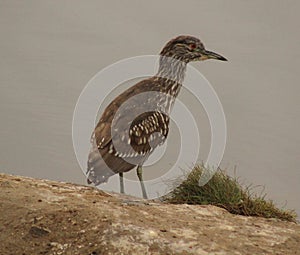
<point>47,217</point>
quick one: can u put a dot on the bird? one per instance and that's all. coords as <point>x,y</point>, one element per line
<point>137,121</point>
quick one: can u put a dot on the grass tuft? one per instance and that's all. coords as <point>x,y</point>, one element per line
<point>226,192</point>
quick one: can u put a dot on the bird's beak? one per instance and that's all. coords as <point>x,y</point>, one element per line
<point>211,55</point>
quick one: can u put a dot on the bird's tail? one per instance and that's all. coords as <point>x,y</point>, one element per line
<point>97,170</point>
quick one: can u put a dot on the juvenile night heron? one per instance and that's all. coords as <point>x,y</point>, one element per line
<point>137,121</point>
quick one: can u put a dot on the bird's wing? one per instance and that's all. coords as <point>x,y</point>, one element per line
<point>132,124</point>
<point>141,137</point>
<point>102,134</point>
<point>148,130</point>
<point>114,120</point>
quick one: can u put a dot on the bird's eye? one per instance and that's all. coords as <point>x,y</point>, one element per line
<point>192,46</point>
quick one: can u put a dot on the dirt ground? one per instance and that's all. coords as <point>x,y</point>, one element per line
<point>46,217</point>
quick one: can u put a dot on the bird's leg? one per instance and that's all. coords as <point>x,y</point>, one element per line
<point>139,172</point>
<point>121,183</point>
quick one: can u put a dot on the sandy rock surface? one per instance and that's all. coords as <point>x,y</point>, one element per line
<point>47,217</point>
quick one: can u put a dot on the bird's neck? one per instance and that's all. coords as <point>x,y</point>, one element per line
<point>171,69</point>
<point>170,75</point>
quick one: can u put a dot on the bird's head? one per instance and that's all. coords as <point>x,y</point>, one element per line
<point>187,49</point>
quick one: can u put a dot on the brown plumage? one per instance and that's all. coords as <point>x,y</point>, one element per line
<point>137,121</point>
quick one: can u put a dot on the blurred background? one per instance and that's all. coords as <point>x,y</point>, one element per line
<point>49,50</point>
